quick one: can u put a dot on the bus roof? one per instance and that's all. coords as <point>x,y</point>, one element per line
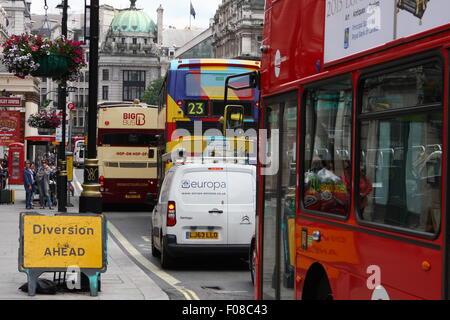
<point>193,63</point>
<point>113,104</point>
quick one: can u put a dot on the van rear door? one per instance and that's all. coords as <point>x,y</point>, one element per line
<point>241,204</point>
<point>201,205</point>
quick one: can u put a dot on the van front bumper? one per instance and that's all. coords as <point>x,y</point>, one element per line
<point>176,250</point>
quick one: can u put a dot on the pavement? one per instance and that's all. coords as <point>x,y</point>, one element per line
<point>123,279</point>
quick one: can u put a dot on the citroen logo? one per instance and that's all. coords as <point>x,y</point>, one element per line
<point>245,220</point>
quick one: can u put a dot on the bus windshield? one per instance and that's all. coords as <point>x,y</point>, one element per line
<point>212,85</point>
<point>129,139</point>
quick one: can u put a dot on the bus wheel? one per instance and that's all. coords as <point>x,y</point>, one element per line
<point>166,261</point>
<point>155,252</point>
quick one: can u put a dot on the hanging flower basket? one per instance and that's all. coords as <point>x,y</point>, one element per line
<point>61,59</point>
<point>44,120</point>
<point>50,66</point>
<point>46,131</point>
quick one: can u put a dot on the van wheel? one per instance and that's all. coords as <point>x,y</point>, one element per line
<point>253,258</point>
<point>166,261</point>
<point>155,252</point>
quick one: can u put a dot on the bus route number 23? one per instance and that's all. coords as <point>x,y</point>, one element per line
<point>196,108</point>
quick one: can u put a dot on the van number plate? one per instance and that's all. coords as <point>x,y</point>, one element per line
<point>202,235</point>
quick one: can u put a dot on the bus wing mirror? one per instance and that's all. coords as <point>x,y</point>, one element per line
<point>234,118</point>
<point>248,80</point>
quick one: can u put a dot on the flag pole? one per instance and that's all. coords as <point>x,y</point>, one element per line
<point>190,4</point>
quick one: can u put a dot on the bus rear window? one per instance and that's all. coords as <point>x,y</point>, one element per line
<point>212,85</point>
<point>128,139</point>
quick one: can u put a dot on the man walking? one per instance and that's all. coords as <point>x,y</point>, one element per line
<point>28,183</point>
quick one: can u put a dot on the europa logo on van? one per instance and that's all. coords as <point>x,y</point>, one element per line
<point>133,119</point>
<point>186,184</point>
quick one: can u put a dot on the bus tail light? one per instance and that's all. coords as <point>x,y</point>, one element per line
<point>171,214</point>
<point>180,103</point>
<point>102,181</point>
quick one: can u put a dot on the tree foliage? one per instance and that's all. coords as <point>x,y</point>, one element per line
<point>151,94</point>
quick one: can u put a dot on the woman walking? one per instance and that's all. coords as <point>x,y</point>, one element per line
<point>43,179</point>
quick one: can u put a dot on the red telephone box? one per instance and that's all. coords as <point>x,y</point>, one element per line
<point>16,161</point>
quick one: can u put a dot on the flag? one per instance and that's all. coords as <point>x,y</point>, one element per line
<point>192,10</point>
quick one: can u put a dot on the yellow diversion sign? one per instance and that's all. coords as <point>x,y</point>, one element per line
<point>62,241</point>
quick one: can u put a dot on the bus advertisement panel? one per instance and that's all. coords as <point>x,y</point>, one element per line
<point>128,138</point>
<point>355,97</point>
<point>352,27</point>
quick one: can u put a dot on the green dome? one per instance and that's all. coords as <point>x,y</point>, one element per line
<point>132,20</point>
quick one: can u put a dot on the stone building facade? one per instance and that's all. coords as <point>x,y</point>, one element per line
<point>129,56</point>
<point>237,29</point>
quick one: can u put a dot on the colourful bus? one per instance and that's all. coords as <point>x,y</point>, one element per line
<point>127,143</point>
<point>191,98</point>
<point>358,207</point>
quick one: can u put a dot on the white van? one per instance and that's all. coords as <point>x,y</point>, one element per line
<point>78,154</point>
<point>204,209</point>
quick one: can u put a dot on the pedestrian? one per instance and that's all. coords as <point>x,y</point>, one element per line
<point>43,178</point>
<point>35,186</point>
<point>28,182</point>
<point>3,176</point>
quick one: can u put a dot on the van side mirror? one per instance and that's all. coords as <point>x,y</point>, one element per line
<point>234,118</point>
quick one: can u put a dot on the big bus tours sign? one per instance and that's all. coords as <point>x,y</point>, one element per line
<point>354,26</point>
<point>66,243</point>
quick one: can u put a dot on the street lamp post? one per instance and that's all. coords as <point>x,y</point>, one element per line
<point>62,93</point>
<point>91,197</point>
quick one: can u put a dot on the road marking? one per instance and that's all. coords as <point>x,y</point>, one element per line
<point>188,294</point>
<point>146,239</point>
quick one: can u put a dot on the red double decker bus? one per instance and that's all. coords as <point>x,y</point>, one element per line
<point>353,201</point>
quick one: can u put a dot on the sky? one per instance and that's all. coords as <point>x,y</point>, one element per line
<point>176,12</point>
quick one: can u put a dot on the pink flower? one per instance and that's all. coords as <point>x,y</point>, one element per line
<point>34,49</point>
<point>76,60</point>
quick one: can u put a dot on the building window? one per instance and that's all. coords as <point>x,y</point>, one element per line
<point>133,84</point>
<point>78,118</point>
<point>105,75</point>
<point>86,78</point>
<point>134,40</point>
<point>105,90</point>
<point>123,40</point>
<point>145,41</point>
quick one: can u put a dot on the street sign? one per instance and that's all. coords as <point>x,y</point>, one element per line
<point>70,106</point>
<point>58,137</point>
<point>62,242</point>
<point>10,102</point>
